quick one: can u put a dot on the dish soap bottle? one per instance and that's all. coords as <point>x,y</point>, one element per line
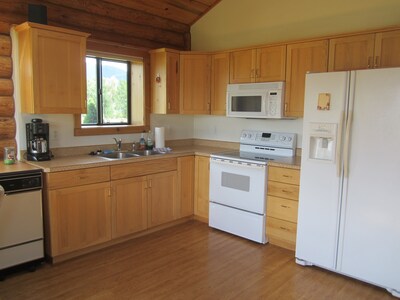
<point>149,141</point>
<point>142,142</point>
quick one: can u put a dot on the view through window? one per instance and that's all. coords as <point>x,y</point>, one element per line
<point>108,92</point>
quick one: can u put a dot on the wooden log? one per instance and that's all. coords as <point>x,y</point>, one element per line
<point>5,67</point>
<point>7,128</point>
<point>5,27</point>
<point>7,107</point>
<point>6,87</point>
<point>7,143</point>
<point>5,45</point>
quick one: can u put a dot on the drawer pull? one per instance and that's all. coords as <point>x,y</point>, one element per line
<point>284,206</point>
<point>286,191</point>
<point>287,176</point>
<point>284,228</point>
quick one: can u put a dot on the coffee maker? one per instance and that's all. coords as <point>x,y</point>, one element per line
<point>37,140</point>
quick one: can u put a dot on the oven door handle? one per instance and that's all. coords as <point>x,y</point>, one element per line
<point>232,162</point>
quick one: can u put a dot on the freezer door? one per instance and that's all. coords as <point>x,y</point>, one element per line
<point>320,179</point>
<point>370,244</point>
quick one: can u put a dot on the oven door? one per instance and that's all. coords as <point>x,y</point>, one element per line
<point>240,185</point>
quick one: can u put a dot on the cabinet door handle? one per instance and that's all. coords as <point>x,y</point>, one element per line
<point>252,73</point>
<point>284,228</point>
<point>150,183</point>
<point>285,191</point>
<point>169,105</point>
<point>286,176</point>
<point>284,206</point>
<point>377,63</point>
<point>369,62</point>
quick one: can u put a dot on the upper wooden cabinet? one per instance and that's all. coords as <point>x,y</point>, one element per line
<point>52,69</point>
<point>195,83</point>
<point>258,65</point>
<point>302,58</point>
<point>366,51</point>
<point>219,82</point>
<point>164,74</point>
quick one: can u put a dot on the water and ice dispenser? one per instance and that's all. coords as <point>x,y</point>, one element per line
<point>323,141</point>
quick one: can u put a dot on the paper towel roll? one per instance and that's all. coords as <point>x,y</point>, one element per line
<point>159,137</point>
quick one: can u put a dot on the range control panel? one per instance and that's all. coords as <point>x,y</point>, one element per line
<point>270,139</point>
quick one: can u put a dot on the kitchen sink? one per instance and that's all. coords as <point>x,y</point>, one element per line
<point>125,155</point>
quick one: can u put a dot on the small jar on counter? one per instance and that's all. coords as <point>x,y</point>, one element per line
<point>9,155</point>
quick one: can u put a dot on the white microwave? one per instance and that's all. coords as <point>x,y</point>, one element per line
<point>255,100</point>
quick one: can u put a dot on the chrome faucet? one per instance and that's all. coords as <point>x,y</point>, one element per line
<point>119,144</point>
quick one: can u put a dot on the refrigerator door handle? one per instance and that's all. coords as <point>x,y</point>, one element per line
<point>338,145</point>
<point>346,145</point>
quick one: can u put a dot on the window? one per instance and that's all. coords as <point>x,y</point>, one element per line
<point>108,92</point>
<point>116,98</point>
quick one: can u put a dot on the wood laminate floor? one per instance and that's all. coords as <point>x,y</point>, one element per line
<point>189,261</point>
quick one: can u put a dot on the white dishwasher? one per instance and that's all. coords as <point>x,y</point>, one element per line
<point>21,218</point>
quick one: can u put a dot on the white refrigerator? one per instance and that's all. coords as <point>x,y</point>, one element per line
<point>349,205</point>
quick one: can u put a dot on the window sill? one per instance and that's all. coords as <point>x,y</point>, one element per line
<point>104,130</point>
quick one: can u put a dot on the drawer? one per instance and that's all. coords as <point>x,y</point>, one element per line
<point>65,179</point>
<point>143,168</point>
<point>283,231</point>
<point>283,209</point>
<point>283,190</point>
<point>286,175</point>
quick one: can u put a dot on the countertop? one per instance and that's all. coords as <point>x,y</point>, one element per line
<point>19,166</point>
<point>75,162</point>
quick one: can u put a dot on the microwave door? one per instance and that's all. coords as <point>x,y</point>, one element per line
<point>251,106</point>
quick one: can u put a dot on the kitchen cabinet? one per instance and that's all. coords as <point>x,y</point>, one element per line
<point>162,197</point>
<point>282,206</point>
<point>365,51</point>
<point>129,208</point>
<point>219,82</point>
<point>52,69</point>
<point>154,198</point>
<point>202,178</point>
<point>186,185</point>
<point>302,58</point>
<point>77,210</point>
<point>164,74</point>
<point>195,83</point>
<point>258,65</point>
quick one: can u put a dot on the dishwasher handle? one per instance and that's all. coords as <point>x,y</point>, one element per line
<point>2,194</point>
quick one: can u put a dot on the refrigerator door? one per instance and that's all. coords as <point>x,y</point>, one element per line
<point>320,179</point>
<point>370,244</point>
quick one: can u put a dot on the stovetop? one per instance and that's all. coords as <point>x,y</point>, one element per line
<point>251,157</point>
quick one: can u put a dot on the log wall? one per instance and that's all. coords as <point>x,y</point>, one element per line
<point>7,108</point>
<point>109,21</point>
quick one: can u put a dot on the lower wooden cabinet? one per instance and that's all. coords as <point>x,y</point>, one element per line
<point>202,178</point>
<point>162,198</point>
<point>282,206</point>
<point>186,166</point>
<point>129,206</point>
<point>77,217</point>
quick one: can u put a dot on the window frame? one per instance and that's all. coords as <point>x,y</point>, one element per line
<point>117,51</point>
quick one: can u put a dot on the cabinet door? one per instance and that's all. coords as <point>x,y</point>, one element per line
<point>172,83</point>
<point>242,65</point>
<point>186,185</point>
<point>58,74</point>
<point>129,206</point>
<point>162,198</point>
<point>79,217</point>
<point>302,58</point>
<point>202,178</point>
<point>271,64</point>
<point>195,83</point>
<point>219,82</point>
<point>164,69</point>
<point>351,53</point>
<point>387,49</point>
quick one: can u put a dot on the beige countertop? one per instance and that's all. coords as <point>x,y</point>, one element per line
<point>19,166</point>
<point>74,162</point>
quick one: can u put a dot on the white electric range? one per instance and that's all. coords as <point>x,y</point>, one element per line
<point>238,182</point>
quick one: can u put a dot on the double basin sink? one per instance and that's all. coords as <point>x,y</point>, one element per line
<point>129,154</point>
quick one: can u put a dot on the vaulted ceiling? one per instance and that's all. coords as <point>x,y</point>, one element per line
<point>142,23</point>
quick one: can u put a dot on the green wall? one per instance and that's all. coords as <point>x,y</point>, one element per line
<point>240,23</point>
